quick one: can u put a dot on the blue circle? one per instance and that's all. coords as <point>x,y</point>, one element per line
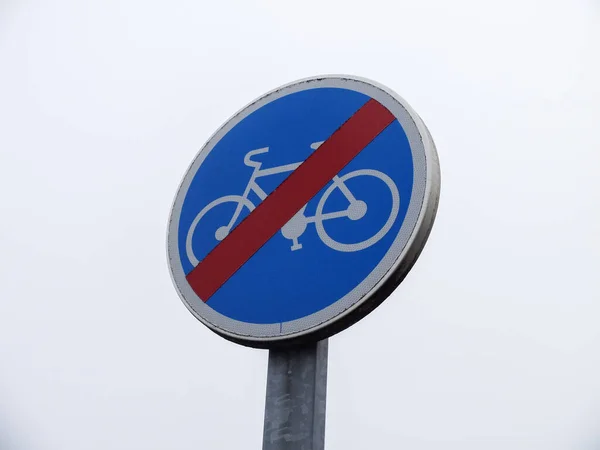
<point>278,284</point>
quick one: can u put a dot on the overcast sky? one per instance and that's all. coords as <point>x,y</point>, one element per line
<point>492,341</point>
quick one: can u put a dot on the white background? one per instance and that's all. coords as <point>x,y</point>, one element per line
<point>493,340</point>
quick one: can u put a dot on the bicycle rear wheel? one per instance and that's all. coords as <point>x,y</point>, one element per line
<point>356,246</point>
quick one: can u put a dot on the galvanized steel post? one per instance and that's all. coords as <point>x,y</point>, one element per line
<point>296,398</point>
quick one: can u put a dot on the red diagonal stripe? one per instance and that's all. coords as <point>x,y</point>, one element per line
<point>288,198</point>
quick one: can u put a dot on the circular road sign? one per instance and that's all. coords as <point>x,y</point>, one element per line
<point>303,212</point>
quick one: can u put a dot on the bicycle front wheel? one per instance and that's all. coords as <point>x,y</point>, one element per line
<point>236,199</point>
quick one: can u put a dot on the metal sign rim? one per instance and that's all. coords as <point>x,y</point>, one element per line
<point>378,292</point>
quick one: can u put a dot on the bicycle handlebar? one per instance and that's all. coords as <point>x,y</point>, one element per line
<point>250,154</point>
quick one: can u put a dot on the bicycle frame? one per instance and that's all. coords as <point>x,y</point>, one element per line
<point>253,186</point>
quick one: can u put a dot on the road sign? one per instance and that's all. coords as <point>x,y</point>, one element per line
<point>303,212</point>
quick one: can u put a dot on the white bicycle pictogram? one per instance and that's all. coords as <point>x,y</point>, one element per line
<point>297,225</point>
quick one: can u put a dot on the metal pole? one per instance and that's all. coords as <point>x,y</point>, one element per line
<point>296,398</point>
